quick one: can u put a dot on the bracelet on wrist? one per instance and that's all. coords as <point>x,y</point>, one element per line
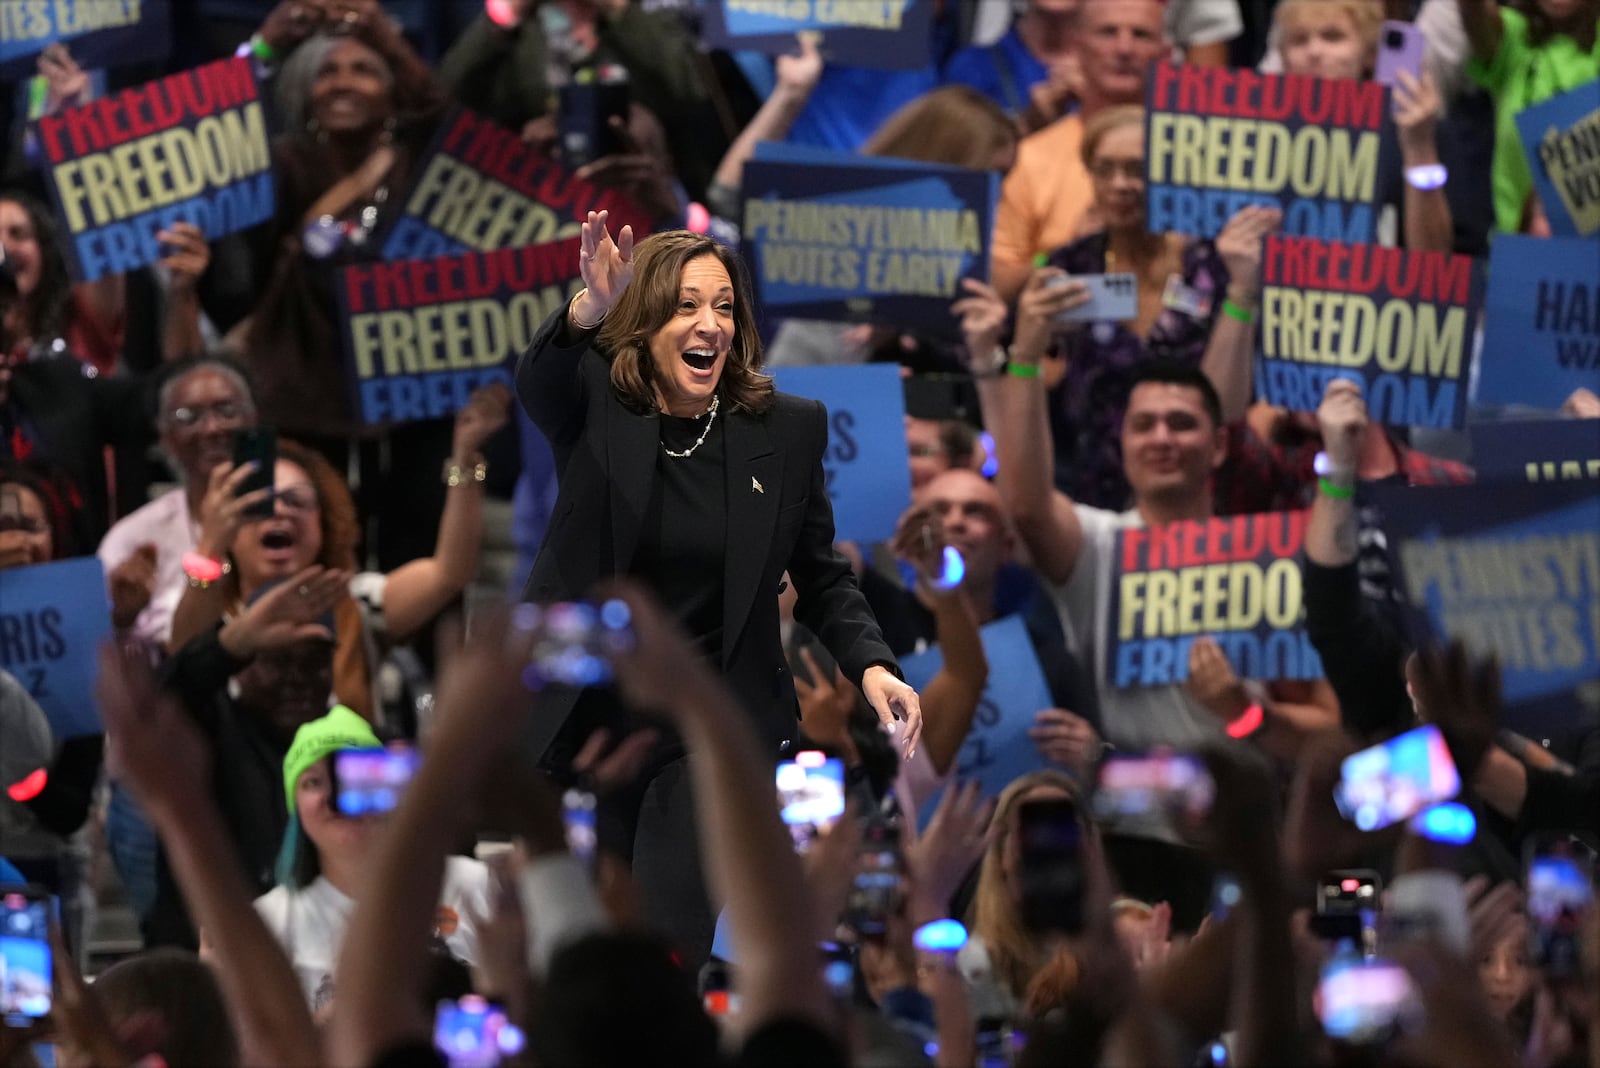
<point>455,474</point>
<point>502,14</point>
<point>577,320</point>
<point>1427,176</point>
<point>203,571</point>
<point>1333,489</point>
<point>1247,722</point>
<point>1237,312</point>
<point>1023,370</point>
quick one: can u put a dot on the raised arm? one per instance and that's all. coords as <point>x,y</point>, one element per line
<point>188,256</point>
<point>797,77</point>
<point>222,513</point>
<point>160,755</point>
<point>547,373</point>
<point>748,856</point>
<point>1015,414</point>
<point>1230,353</point>
<point>1428,224</point>
<point>421,589</point>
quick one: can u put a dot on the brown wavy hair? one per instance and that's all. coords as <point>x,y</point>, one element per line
<point>649,303</point>
<point>956,125</point>
<point>341,530</point>
<point>1112,118</point>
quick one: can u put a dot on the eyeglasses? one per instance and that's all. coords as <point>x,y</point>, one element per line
<point>194,415</point>
<point>26,523</point>
<point>297,498</point>
<point>1105,169</point>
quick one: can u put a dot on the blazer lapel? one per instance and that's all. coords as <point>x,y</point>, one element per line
<point>755,491</point>
<point>631,442</point>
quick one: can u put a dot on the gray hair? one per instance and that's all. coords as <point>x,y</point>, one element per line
<point>299,74</point>
<point>218,362</point>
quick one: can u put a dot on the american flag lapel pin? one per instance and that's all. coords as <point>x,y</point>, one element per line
<point>755,486</point>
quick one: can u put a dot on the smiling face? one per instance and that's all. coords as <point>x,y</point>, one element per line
<point>690,350</point>
<point>21,245</point>
<point>351,89</point>
<point>1169,444</point>
<point>289,541</point>
<point>198,419</point>
<point>1322,41</point>
<point>1117,170</point>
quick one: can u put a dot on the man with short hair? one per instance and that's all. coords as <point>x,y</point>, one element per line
<point>201,405</point>
<point>1047,193</point>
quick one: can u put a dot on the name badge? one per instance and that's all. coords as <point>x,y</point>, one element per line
<point>1182,298</point>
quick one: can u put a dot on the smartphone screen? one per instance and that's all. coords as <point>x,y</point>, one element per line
<point>26,962</point>
<point>1396,779</point>
<point>875,891</point>
<point>574,641</point>
<point>1174,786</point>
<point>1349,890</point>
<point>578,815</point>
<point>474,1033</point>
<point>370,782</point>
<point>258,445</point>
<point>839,969</point>
<point>1560,896</point>
<point>810,795</point>
<point>716,989</point>
<point>1362,1001</point>
<point>1401,47</point>
<point>1050,841</point>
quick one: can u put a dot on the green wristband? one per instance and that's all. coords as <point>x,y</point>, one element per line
<point>1022,370</point>
<point>262,50</point>
<point>1332,489</point>
<point>1233,311</point>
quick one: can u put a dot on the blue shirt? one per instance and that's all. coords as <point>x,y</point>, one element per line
<point>850,103</point>
<point>1003,71</point>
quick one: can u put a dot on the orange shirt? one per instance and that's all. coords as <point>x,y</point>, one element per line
<point>1044,198</point>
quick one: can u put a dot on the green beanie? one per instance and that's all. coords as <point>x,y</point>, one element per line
<point>339,729</point>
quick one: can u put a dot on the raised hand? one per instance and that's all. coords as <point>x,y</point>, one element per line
<point>1065,738</point>
<point>939,859</point>
<point>187,254</point>
<point>1239,245</point>
<point>222,509</point>
<point>1416,116</point>
<point>1342,415</point>
<point>289,612</point>
<point>66,83</point>
<point>983,320</point>
<point>486,411</point>
<point>606,266</point>
<point>1462,695</point>
<point>1049,292</point>
<point>639,174</point>
<point>151,744</point>
<point>132,584</point>
<point>798,75</point>
<point>1212,681</point>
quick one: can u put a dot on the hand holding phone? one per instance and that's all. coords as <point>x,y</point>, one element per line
<point>257,445</point>
<point>574,641</point>
<point>1401,47</point>
<point>810,795</point>
<point>370,782</point>
<point>1364,1001</point>
<point>1050,843</point>
<point>1396,779</point>
<point>876,891</point>
<point>1561,896</point>
<point>1112,298</point>
<point>474,1033</point>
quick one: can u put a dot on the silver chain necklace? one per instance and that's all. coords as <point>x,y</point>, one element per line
<point>711,414</point>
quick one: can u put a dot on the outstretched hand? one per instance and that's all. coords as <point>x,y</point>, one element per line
<point>606,266</point>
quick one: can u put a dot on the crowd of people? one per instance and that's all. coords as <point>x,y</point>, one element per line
<point>582,859</point>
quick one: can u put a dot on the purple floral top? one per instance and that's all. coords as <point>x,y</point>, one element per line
<point>1086,410</point>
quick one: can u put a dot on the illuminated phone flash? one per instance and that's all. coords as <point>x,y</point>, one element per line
<point>955,569</point>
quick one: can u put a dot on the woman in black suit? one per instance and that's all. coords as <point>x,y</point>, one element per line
<point>679,464</point>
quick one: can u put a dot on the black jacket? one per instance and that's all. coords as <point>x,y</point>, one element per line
<point>779,519</point>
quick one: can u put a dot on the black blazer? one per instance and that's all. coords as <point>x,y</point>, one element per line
<point>779,519</point>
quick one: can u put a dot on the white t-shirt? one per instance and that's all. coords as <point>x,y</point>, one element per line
<point>310,923</point>
<point>1201,22</point>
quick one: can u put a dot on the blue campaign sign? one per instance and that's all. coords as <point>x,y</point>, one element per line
<point>1542,334</point>
<point>53,618</point>
<point>191,147</point>
<point>1516,573</point>
<point>98,33</point>
<point>880,34</point>
<point>997,748</point>
<point>867,466</point>
<point>1537,450</point>
<point>1398,322</point>
<point>1562,140</point>
<point>1218,140</point>
<point>887,241</point>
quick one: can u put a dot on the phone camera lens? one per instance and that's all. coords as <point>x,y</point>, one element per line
<point>1394,39</point>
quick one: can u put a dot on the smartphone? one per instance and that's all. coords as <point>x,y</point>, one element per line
<point>585,113</point>
<point>472,1032</point>
<point>1112,298</point>
<point>839,969</point>
<point>810,795</point>
<point>1560,897</point>
<point>876,890</point>
<point>574,641</point>
<point>1348,890</point>
<point>578,815</point>
<point>1396,779</point>
<point>1225,896</point>
<point>1176,786</point>
<point>716,989</point>
<point>26,961</point>
<point>257,445</point>
<point>1050,842</point>
<point>1401,47</point>
<point>999,1042</point>
<point>1363,1001</point>
<point>370,782</point>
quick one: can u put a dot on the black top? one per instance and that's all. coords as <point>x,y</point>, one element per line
<point>683,538</point>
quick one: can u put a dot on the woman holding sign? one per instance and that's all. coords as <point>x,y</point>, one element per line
<point>680,465</point>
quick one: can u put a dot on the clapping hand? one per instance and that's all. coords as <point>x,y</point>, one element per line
<point>132,584</point>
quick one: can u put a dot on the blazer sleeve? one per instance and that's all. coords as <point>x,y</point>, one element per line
<point>1362,651</point>
<point>829,602</point>
<point>550,382</point>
